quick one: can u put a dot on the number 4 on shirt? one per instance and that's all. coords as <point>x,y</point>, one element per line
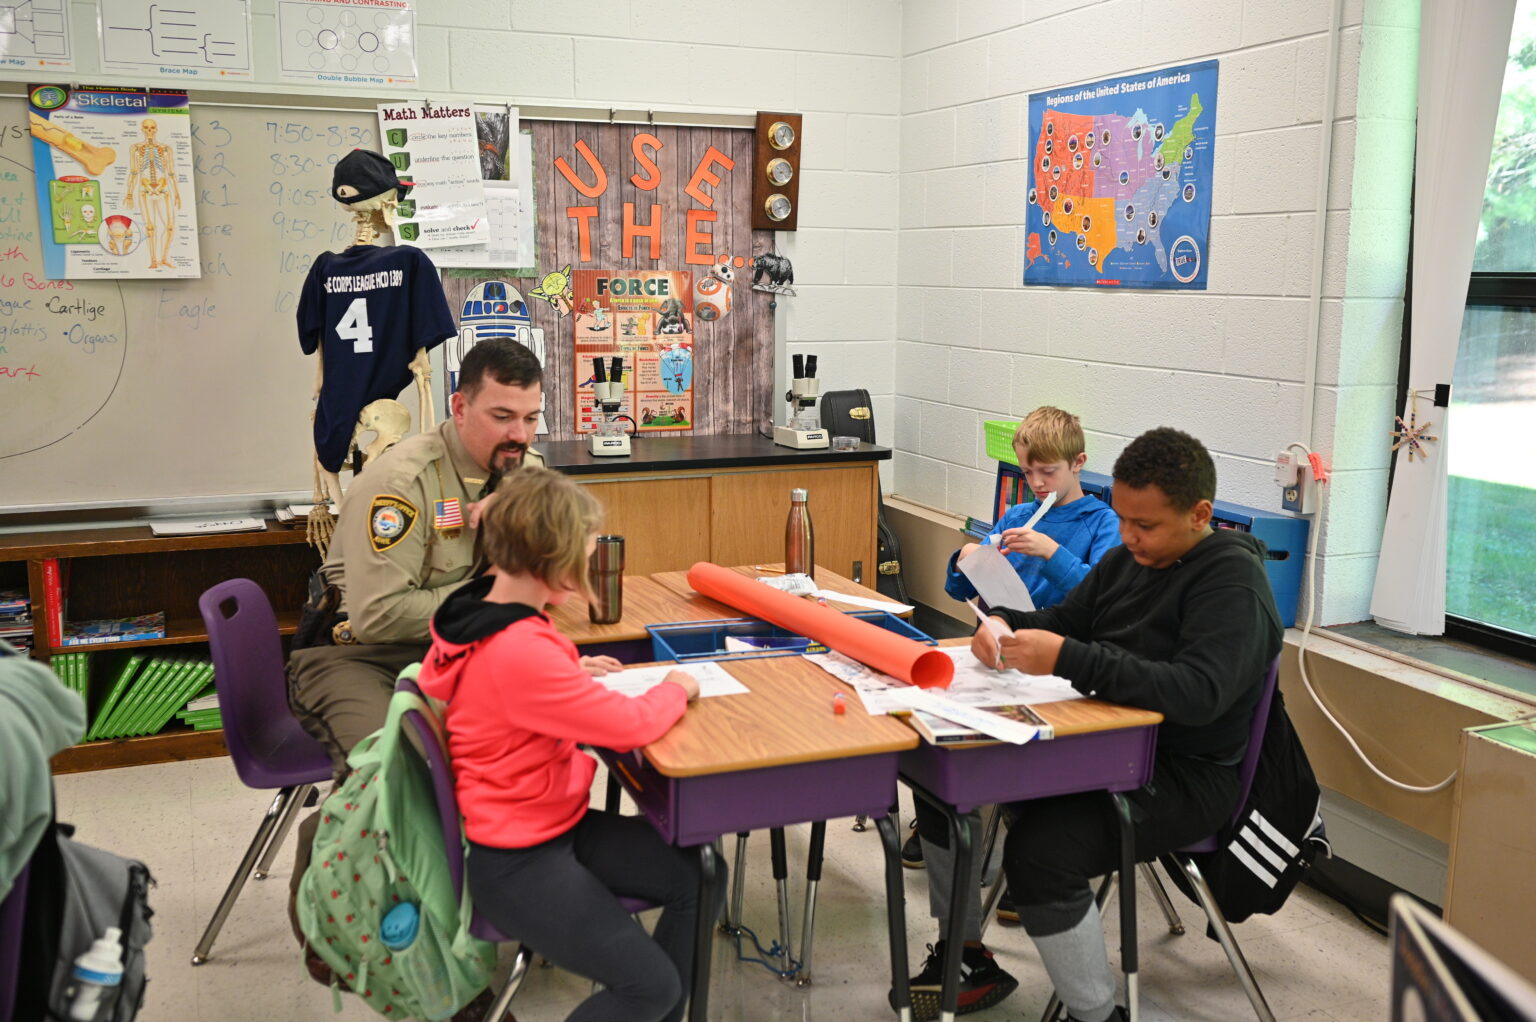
<point>353,326</point>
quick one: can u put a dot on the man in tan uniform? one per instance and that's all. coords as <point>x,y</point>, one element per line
<point>403,544</point>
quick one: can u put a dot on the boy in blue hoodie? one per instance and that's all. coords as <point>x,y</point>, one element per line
<point>1056,554</point>
<point>1051,558</point>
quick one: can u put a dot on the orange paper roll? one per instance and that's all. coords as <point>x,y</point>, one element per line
<point>896,655</point>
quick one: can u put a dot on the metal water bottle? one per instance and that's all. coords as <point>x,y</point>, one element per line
<point>799,537</point>
<point>606,572</point>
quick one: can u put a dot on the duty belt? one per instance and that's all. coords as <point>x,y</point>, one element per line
<point>341,634</point>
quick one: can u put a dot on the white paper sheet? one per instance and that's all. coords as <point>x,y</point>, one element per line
<point>712,678</point>
<point>874,687</point>
<point>980,685</point>
<point>969,716</point>
<point>995,579</point>
<point>863,601</point>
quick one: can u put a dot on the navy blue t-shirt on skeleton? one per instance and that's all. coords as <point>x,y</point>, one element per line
<point>373,307</point>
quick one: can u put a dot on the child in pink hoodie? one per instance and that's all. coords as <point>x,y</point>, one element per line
<point>543,866</point>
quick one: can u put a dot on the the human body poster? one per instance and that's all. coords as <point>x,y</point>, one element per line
<point>644,317</point>
<point>114,181</point>
<point>435,147</point>
<point>1120,181</point>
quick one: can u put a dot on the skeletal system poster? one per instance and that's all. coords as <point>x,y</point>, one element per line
<point>114,181</point>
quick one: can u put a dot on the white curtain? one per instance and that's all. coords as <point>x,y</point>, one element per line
<point>1463,46</point>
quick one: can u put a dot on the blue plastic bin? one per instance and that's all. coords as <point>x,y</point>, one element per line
<point>705,640</point>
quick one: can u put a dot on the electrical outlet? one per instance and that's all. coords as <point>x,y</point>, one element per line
<point>1301,496</point>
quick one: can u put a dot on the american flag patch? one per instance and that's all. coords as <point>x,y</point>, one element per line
<point>446,514</point>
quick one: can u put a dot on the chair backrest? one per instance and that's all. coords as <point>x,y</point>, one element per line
<point>442,784</point>
<point>13,914</point>
<point>269,747</point>
<point>1250,764</point>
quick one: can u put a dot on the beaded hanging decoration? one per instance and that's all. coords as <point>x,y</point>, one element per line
<point>1411,434</point>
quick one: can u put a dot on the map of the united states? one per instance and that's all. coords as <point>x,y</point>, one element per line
<point>1121,196</point>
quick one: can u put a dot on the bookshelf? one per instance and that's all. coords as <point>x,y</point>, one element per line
<point>118,572</point>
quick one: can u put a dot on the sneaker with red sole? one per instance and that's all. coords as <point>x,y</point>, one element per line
<point>983,983</point>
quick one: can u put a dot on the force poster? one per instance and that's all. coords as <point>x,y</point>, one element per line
<point>114,181</point>
<point>644,317</point>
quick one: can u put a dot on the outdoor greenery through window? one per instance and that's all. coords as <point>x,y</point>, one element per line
<point>1491,545</point>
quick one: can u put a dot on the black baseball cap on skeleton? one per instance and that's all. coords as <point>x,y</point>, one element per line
<point>365,174</point>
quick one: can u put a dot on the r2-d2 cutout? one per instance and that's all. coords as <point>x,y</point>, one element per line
<point>711,299</point>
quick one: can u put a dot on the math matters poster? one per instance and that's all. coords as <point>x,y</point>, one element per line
<point>1120,181</point>
<point>645,318</point>
<point>114,181</point>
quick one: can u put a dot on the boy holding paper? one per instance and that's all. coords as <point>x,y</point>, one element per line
<point>1051,552</point>
<point>1181,620</point>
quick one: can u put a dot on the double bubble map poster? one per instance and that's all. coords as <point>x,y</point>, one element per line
<point>1120,183</point>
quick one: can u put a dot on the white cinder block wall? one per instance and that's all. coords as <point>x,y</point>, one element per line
<point>1226,364</point>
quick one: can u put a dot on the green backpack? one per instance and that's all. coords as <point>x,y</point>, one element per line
<point>379,846</point>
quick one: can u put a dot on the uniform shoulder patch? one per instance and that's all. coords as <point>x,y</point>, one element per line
<point>390,519</point>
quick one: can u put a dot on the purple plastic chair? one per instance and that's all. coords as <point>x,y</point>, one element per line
<point>1214,843</point>
<point>13,913</point>
<point>268,746</point>
<point>453,845</point>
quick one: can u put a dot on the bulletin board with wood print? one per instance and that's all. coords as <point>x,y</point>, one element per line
<point>645,247</point>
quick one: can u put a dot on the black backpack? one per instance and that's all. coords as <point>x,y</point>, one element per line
<point>74,892</point>
<point>1275,838</point>
<point>849,413</point>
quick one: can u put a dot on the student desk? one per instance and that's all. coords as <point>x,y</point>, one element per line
<point>1098,747</point>
<point>774,757</point>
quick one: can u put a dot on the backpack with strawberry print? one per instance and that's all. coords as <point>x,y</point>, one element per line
<point>380,845</point>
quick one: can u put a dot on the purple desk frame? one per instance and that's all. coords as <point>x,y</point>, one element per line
<point>956,781</point>
<point>694,811</point>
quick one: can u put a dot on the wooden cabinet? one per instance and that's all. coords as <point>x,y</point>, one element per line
<point>725,498</point>
<point>121,572</point>
<point>736,516</point>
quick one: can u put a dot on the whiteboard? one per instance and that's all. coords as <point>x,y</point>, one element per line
<point>141,390</point>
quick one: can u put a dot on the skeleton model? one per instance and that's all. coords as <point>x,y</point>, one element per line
<point>374,218</point>
<point>152,184</point>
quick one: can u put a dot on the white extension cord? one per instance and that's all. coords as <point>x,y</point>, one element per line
<point>1306,632</point>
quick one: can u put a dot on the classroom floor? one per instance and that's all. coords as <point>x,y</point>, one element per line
<point>190,822</point>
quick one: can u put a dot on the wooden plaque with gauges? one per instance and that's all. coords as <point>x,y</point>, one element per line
<point>776,172</point>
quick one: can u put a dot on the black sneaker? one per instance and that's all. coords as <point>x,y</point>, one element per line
<point>1007,911</point>
<point>912,851</point>
<point>982,983</point>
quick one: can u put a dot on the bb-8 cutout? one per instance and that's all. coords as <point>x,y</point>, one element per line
<point>711,299</point>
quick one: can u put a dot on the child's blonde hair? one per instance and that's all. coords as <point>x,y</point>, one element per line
<point>540,523</point>
<point>1049,435</point>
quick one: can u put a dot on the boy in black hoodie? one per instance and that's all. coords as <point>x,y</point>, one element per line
<point>1181,620</point>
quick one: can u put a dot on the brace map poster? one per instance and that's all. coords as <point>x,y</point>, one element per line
<point>645,317</point>
<point>114,181</point>
<point>1120,183</point>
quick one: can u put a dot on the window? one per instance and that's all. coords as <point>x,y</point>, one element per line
<point>1491,547</point>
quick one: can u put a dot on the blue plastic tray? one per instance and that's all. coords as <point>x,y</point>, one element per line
<point>705,640</point>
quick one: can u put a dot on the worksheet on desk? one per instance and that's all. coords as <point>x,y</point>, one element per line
<point>712,678</point>
<point>973,684</point>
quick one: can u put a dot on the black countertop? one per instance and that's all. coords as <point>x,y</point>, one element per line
<point>652,454</point>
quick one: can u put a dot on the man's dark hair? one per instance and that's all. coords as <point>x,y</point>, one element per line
<point>503,360</point>
<point>1174,462</point>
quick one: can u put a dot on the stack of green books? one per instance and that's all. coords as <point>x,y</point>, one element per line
<point>74,670</point>
<point>203,711</point>
<point>146,693</point>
